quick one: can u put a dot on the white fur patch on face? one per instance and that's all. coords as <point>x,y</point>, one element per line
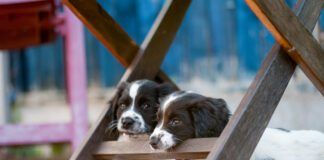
<point>166,140</point>
<point>139,125</point>
<point>170,99</point>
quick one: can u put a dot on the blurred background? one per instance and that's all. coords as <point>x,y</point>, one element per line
<point>217,52</point>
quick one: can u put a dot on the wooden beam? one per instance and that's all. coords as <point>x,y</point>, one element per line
<point>153,50</point>
<point>105,29</point>
<point>158,41</point>
<point>245,128</point>
<point>34,134</point>
<point>298,42</point>
<point>108,32</point>
<point>190,149</point>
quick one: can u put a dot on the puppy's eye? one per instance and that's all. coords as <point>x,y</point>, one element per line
<point>175,122</point>
<point>123,106</point>
<point>145,106</point>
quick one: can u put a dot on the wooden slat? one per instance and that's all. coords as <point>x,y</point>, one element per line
<point>34,134</point>
<point>155,46</point>
<point>241,135</point>
<point>189,149</point>
<point>297,40</point>
<point>158,41</point>
<point>108,32</point>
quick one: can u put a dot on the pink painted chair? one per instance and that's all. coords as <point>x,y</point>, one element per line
<point>34,22</point>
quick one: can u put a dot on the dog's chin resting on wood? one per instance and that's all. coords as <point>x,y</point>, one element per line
<point>133,109</point>
<point>185,115</point>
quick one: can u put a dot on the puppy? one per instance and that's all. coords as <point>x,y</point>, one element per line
<point>135,105</point>
<point>184,115</point>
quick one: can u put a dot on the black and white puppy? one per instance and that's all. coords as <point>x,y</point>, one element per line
<point>185,115</point>
<point>135,106</point>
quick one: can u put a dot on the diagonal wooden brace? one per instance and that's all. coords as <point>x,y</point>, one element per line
<point>293,36</point>
<point>109,32</point>
<point>241,135</point>
<point>145,65</point>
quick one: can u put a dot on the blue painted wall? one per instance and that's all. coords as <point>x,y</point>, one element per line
<point>217,38</point>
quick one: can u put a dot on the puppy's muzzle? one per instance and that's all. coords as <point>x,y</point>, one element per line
<point>155,140</point>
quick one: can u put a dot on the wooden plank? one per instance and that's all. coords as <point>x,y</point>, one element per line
<point>108,32</point>
<point>34,134</point>
<point>297,41</point>
<point>249,121</point>
<point>161,35</point>
<point>190,149</point>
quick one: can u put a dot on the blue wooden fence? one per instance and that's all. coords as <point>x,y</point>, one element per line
<point>217,38</point>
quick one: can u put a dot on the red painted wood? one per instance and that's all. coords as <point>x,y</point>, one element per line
<point>19,1</point>
<point>76,77</point>
<point>26,14</point>
<point>34,134</point>
<point>26,22</point>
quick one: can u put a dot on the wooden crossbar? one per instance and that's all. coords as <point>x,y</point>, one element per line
<point>145,65</point>
<point>293,36</point>
<point>190,149</point>
<point>109,32</point>
<point>250,119</point>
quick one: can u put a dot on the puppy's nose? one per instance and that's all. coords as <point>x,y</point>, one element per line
<point>127,122</point>
<point>154,142</point>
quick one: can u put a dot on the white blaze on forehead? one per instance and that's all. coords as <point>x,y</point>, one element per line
<point>168,100</point>
<point>134,89</point>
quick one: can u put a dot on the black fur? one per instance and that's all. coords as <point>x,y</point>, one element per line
<point>197,116</point>
<point>210,117</point>
<point>149,93</point>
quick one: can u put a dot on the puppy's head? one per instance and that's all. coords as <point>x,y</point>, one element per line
<point>135,105</point>
<point>184,115</point>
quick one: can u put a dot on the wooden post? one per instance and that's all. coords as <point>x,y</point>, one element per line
<point>76,77</point>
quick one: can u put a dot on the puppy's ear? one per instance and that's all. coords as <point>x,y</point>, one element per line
<point>210,117</point>
<point>165,89</point>
<point>114,101</point>
<point>112,112</point>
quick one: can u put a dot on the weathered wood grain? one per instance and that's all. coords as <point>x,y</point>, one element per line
<point>241,135</point>
<point>294,37</point>
<point>190,149</point>
<point>154,49</point>
<point>109,32</point>
<point>158,41</point>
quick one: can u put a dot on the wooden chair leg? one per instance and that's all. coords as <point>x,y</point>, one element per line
<point>298,42</point>
<point>109,32</point>
<point>153,49</point>
<point>76,77</point>
<point>249,121</point>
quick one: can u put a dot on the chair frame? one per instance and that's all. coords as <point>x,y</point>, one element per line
<point>246,126</point>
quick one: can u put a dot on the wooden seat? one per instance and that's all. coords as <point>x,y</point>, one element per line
<point>25,23</point>
<point>249,121</point>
